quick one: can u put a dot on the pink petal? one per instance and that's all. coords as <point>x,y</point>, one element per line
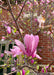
<point>13,69</point>
<point>20,45</point>
<point>8,29</point>
<point>7,52</point>
<point>53,49</point>
<point>2,54</point>
<point>23,72</point>
<point>32,61</point>
<point>16,51</point>
<point>35,43</point>
<point>42,70</point>
<point>29,41</point>
<point>37,56</point>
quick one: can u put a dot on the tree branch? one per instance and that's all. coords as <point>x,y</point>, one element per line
<point>17,26</point>
<point>4,8</point>
<point>21,10</point>
<point>34,69</point>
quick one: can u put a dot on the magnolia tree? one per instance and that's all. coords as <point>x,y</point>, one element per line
<point>32,12</point>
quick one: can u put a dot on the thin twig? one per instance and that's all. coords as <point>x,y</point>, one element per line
<point>34,69</point>
<point>4,8</point>
<point>17,26</point>
<point>21,10</point>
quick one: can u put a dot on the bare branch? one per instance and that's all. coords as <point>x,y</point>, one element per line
<point>4,8</point>
<point>17,26</point>
<point>21,10</point>
<point>34,69</point>
<point>10,10</point>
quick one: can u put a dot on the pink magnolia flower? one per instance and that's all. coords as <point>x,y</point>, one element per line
<point>7,52</point>
<point>52,13</point>
<point>31,43</point>
<point>53,49</point>
<point>23,72</point>
<point>42,70</point>
<point>52,0</point>
<point>2,54</point>
<point>8,29</point>
<point>16,51</point>
<point>32,61</point>
<point>13,69</point>
<point>28,2</point>
<point>48,1</point>
<point>16,2</point>
<point>44,12</point>
<point>43,1</point>
<point>3,38</point>
<point>35,19</point>
<point>48,32</point>
<point>45,68</point>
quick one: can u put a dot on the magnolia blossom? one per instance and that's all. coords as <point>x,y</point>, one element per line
<point>48,1</point>
<point>28,2</point>
<point>44,12</point>
<point>31,43</point>
<point>16,51</point>
<point>43,1</point>
<point>32,61</point>
<point>3,38</point>
<point>53,49</point>
<point>45,68</point>
<point>8,29</point>
<point>13,69</point>
<point>52,12</point>
<point>2,54</point>
<point>42,70</point>
<point>35,19</point>
<point>16,2</point>
<point>48,32</point>
<point>7,52</point>
<point>23,72</point>
<point>52,0</point>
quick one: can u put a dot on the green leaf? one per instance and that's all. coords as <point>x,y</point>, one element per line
<point>8,13</point>
<point>44,69</point>
<point>24,22</point>
<point>18,64</point>
<point>22,56</point>
<point>35,58</point>
<point>27,72</point>
<point>34,0</point>
<point>35,62</point>
<point>18,73</point>
<point>15,30</point>
<point>0,10</point>
<point>53,19</point>
<point>37,67</point>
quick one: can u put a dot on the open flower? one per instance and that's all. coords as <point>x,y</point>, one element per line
<point>16,51</point>
<point>31,43</point>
